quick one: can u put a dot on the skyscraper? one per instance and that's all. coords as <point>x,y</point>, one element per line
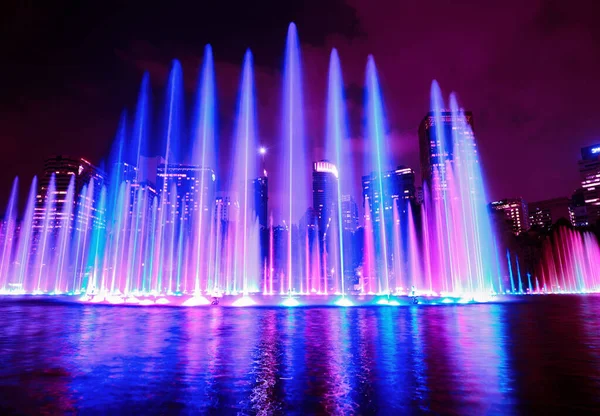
<point>349,213</point>
<point>589,173</point>
<point>436,145</point>
<point>222,208</point>
<point>420,196</point>
<point>126,172</point>
<point>398,185</point>
<point>540,217</point>
<point>514,212</point>
<point>325,177</point>
<point>141,180</point>
<point>194,187</point>
<point>260,188</point>
<point>578,209</point>
<point>64,168</point>
<point>543,214</point>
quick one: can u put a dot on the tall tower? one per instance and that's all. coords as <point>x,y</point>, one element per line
<point>589,173</point>
<point>195,187</point>
<point>349,213</point>
<point>436,141</point>
<point>325,177</point>
<point>260,190</point>
<point>398,184</point>
<point>64,168</point>
<point>514,211</point>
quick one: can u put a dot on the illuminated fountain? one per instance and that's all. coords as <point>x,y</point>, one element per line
<point>570,264</point>
<point>156,232</point>
<point>336,150</point>
<point>243,232</point>
<point>460,247</point>
<point>206,258</point>
<point>376,134</point>
<point>293,170</point>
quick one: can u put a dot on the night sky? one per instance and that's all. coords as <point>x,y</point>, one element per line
<point>529,71</point>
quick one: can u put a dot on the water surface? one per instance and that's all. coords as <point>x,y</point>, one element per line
<point>536,357</point>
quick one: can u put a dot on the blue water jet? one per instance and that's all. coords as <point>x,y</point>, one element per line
<point>376,135</point>
<point>293,189</point>
<point>336,135</point>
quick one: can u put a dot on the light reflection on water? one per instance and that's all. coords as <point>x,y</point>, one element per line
<point>537,357</point>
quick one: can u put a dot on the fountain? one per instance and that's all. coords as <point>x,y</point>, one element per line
<point>292,185</point>
<point>336,136</point>
<point>244,231</point>
<point>154,231</point>
<point>570,263</point>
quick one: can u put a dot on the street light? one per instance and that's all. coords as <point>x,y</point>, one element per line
<point>262,151</point>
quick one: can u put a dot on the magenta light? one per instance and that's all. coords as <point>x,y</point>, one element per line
<point>153,231</point>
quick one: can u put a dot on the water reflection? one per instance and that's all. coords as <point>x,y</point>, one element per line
<point>558,371</point>
<point>537,357</point>
<point>267,393</point>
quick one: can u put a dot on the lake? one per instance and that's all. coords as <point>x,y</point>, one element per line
<point>538,356</point>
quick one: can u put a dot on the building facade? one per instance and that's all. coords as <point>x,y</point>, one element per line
<point>397,185</point>
<point>436,143</point>
<point>543,214</point>
<point>578,209</point>
<point>61,170</point>
<point>260,190</point>
<point>189,188</point>
<point>349,213</point>
<point>325,180</point>
<point>589,174</point>
<point>514,212</point>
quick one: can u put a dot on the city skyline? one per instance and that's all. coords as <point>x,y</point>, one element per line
<point>263,158</point>
<point>588,166</point>
<point>519,215</point>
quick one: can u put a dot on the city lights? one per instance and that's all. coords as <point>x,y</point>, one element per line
<point>153,230</point>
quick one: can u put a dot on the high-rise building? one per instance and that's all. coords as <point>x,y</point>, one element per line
<point>126,172</point>
<point>420,196</point>
<point>349,213</point>
<point>222,208</point>
<point>589,173</point>
<point>540,217</point>
<point>308,219</point>
<point>514,212</point>
<point>578,209</point>
<point>141,180</point>
<point>279,260</point>
<point>260,188</point>
<point>194,187</point>
<point>325,177</point>
<point>436,142</point>
<point>397,185</point>
<point>64,168</point>
<point>148,169</point>
<point>543,214</point>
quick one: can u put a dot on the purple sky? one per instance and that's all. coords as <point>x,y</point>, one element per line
<point>527,69</point>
